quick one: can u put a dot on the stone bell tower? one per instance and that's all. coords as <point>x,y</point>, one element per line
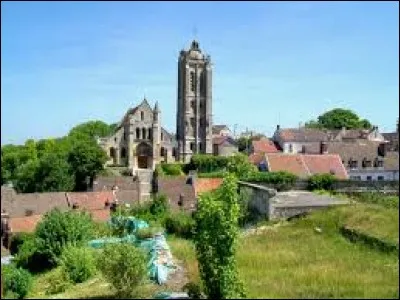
<point>194,103</point>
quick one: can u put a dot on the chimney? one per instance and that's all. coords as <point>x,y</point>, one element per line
<point>323,148</point>
<point>382,148</point>
<point>278,127</point>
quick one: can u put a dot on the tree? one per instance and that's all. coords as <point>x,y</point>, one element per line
<point>337,119</point>
<point>26,177</point>
<point>216,235</point>
<point>54,174</point>
<point>91,129</point>
<point>87,159</point>
<point>244,143</point>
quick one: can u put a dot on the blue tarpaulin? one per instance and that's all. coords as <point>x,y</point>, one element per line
<point>160,264</point>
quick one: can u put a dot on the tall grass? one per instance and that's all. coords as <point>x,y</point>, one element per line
<point>296,261</point>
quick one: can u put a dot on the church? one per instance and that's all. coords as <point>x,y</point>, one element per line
<point>140,141</point>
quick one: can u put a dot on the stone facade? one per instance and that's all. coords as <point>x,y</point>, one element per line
<point>194,103</point>
<point>139,141</point>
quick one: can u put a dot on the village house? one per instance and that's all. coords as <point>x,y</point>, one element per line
<point>303,165</point>
<point>221,130</point>
<point>224,146</point>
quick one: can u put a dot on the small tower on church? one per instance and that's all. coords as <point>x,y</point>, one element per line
<point>156,134</point>
<point>194,103</point>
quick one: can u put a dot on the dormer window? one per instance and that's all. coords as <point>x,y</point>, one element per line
<point>353,164</point>
<point>142,115</point>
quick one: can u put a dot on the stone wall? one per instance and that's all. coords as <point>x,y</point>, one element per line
<point>258,198</point>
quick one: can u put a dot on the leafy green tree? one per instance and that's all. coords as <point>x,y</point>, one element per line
<point>338,118</point>
<point>87,159</point>
<point>216,235</point>
<point>91,129</point>
<point>54,174</point>
<point>26,177</point>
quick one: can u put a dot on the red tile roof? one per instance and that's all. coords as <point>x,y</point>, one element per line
<point>264,145</point>
<point>24,224</point>
<point>304,165</point>
<point>202,185</point>
<point>256,158</point>
<point>286,162</point>
<point>328,163</point>
<point>90,200</point>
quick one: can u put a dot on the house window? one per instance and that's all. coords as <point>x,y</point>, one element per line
<point>123,153</point>
<point>192,146</point>
<point>150,133</point>
<point>366,163</point>
<point>303,149</point>
<point>290,148</point>
<point>142,115</point>
<point>200,147</point>
<point>353,164</point>
<point>143,133</point>
<point>162,136</point>
<point>162,151</point>
<point>138,133</point>
<point>381,178</point>
<point>124,135</point>
<point>192,81</point>
<point>369,178</point>
<point>115,139</point>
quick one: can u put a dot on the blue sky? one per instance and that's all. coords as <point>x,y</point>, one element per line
<point>63,63</point>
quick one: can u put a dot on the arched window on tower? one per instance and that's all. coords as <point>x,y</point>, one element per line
<point>143,133</point>
<point>192,81</point>
<point>202,84</point>
<point>150,131</point>
<point>142,115</point>
<point>138,133</point>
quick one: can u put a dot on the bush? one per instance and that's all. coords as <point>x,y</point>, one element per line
<point>102,230</point>
<point>78,263</point>
<point>149,232</point>
<point>239,165</point>
<point>206,163</point>
<point>280,180</point>
<point>57,282</point>
<point>193,290</point>
<point>59,229</point>
<point>16,281</point>
<point>124,266</point>
<point>180,224</point>
<point>29,257</point>
<point>18,239</point>
<point>171,169</point>
<point>321,182</point>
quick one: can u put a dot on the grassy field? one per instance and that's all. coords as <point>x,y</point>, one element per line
<point>304,258</point>
<point>295,261</point>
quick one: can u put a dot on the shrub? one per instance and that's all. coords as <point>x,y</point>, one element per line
<point>16,281</point>
<point>124,266</point>
<point>239,165</point>
<point>216,237</point>
<point>218,174</point>
<point>206,163</point>
<point>149,232</point>
<point>18,239</point>
<point>59,229</point>
<point>78,263</point>
<point>57,282</point>
<point>102,230</point>
<point>159,205</point>
<point>171,169</point>
<point>280,180</point>
<point>180,224</point>
<point>193,290</point>
<point>29,257</point>
<point>321,182</point>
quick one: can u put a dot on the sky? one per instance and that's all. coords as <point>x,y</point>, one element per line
<point>64,63</point>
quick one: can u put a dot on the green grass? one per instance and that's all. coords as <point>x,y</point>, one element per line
<point>295,261</point>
